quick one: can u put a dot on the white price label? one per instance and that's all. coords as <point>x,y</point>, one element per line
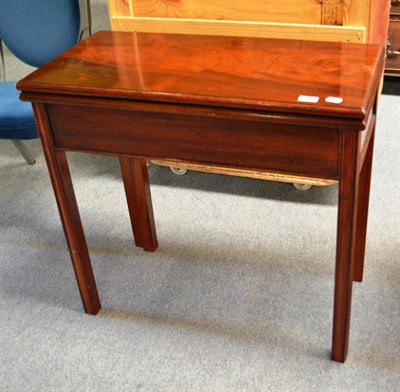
<point>308,98</point>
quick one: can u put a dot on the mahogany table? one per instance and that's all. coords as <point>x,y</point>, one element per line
<point>297,108</point>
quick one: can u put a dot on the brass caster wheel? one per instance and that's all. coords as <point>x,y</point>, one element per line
<point>302,187</point>
<point>178,170</point>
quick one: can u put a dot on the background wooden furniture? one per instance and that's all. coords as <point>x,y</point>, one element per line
<point>325,20</point>
<point>392,67</point>
<point>356,21</point>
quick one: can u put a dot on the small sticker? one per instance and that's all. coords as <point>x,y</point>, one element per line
<point>307,98</point>
<point>336,100</point>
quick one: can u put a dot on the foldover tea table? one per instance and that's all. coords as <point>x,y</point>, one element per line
<point>299,108</point>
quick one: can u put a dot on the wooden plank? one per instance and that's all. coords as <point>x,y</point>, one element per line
<point>256,10</point>
<point>241,29</point>
<point>258,174</point>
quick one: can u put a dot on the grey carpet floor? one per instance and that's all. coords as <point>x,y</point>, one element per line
<point>238,296</point>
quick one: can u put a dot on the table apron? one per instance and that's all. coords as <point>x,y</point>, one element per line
<point>251,144</point>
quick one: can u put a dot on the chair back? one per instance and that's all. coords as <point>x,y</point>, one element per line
<point>36,31</point>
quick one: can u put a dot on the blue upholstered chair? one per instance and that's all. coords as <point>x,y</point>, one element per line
<point>35,32</point>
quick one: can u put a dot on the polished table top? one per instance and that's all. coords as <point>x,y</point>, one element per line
<point>269,75</point>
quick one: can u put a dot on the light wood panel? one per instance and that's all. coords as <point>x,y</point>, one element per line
<point>240,29</point>
<point>361,20</point>
<point>256,10</point>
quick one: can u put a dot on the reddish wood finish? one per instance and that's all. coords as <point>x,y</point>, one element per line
<point>207,139</point>
<point>68,207</point>
<point>219,101</point>
<point>137,189</point>
<point>345,244</point>
<point>215,71</point>
<point>362,209</point>
<point>378,29</point>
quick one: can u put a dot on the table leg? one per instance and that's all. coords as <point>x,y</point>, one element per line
<point>137,189</point>
<point>362,210</point>
<point>67,205</point>
<point>345,244</point>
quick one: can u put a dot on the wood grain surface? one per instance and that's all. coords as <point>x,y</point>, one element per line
<point>262,74</point>
<point>255,10</point>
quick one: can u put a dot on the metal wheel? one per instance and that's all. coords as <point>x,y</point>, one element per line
<point>302,187</point>
<point>178,170</point>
